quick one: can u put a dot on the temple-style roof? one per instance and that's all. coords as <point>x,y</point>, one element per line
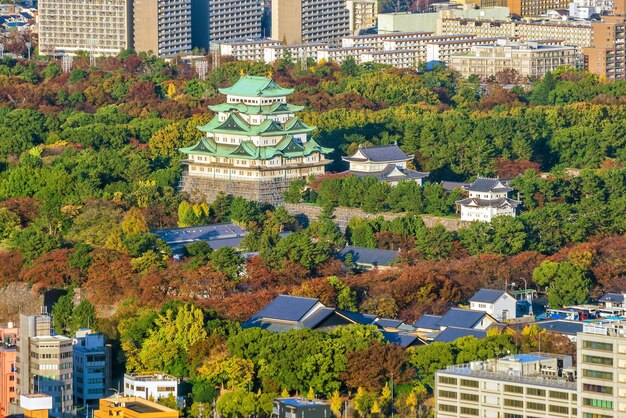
<point>235,124</point>
<point>254,86</point>
<point>287,147</point>
<point>391,173</point>
<point>484,184</point>
<point>493,203</point>
<point>379,154</point>
<point>274,108</point>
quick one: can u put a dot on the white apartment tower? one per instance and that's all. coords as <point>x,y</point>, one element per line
<point>304,21</point>
<point>101,27</point>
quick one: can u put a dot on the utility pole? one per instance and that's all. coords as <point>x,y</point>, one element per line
<point>391,395</point>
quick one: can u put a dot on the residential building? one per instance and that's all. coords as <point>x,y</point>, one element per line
<point>601,350</point>
<point>496,303</point>
<point>247,50</point>
<point>363,14</point>
<point>368,258</point>
<point>100,27</point>
<point>529,59</point>
<point>613,300</point>
<point>339,55</point>
<point>162,27</point>
<point>522,385</point>
<point>401,58</point>
<point>92,368</point>
<point>8,353</point>
<point>487,199</point>
<point>304,21</point>
<point>387,163</point>
<point>443,51</point>
<point>151,386</point>
<point>420,41</point>
<point>36,405</point>
<point>214,22</point>
<point>44,362</point>
<point>301,408</point>
<point>607,57</point>
<point>578,34</point>
<point>294,52</point>
<point>132,407</point>
<point>377,41</point>
<point>534,8</point>
<point>254,147</point>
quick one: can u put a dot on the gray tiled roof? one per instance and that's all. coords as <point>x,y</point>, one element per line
<point>453,333</point>
<point>612,297</point>
<point>482,184</point>
<point>369,256</point>
<point>461,318</point>
<point>359,318</point>
<point>487,296</point>
<point>383,153</point>
<point>389,174</point>
<point>428,322</point>
<point>199,233</point>
<point>389,323</point>
<point>287,308</point>
<point>401,338</point>
<point>562,326</point>
<point>494,203</point>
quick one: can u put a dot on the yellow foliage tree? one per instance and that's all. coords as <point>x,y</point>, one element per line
<point>134,222</point>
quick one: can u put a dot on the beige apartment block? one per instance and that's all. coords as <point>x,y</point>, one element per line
<point>529,59</point>
<point>607,57</point>
<point>601,350</point>
<point>535,8</point>
<point>162,27</point>
<point>101,27</point>
<point>578,34</point>
<point>304,21</point>
<point>248,50</point>
<point>363,14</point>
<point>295,52</point>
<point>378,41</point>
<point>517,386</point>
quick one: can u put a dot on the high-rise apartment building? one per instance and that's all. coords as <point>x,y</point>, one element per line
<point>218,21</point>
<point>8,352</point>
<point>302,21</point>
<point>607,57</point>
<point>92,368</point>
<point>363,14</point>
<point>101,27</point>
<point>44,363</point>
<point>534,8</point>
<point>162,27</point>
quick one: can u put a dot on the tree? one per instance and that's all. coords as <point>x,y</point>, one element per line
<point>62,314</point>
<point>227,260</point>
<point>336,403</point>
<point>9,221</point>
<point>569,287</point>
<point>33,242</point>
<point>134,222</point>
<point>84,316</point>
<point>545,273</point>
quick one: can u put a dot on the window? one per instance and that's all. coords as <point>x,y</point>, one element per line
<point>597,360</point>
<point>598,403</point>
<point>469,411</point>
<point>558,395</point>
<point>596,374</point>
<point>559,409</point>
<point>588,415</point>
<point>597,388</point>
<point>535,392</point>
<point>447,394</point>
<point>596,345</point>
<point>469,383</point>
<point>447,380</point>
<point>513,403</point>
<point>513,389</point>
<point>536,406</point>
<point>469,397</point>
<point>447,408</point>
<point>513,415</point>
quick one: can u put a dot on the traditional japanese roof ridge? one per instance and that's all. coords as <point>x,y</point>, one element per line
<point>204,145</point>
<point>488,184</point>
<point>487,295</point>
<point>295,124</point>
<point>369,256</point>
<point>311,145</point>
<point>288,144</point>
<point>379,154</point>
<point>255,86</point>
<point>269,126</point>
<point>391,172</point>
<point>358,317</point>
<point>494,203</point>
<point>235,124</point>
<point>276,107</point>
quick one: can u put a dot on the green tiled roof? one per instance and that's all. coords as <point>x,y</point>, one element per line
<point>254,86</point>
<point>276,107</point>
<point>287,148</point>
<point>236,125</point>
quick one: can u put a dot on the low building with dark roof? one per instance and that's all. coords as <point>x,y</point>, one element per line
<point>488,198</point>
<point>300,408</point>
<point>496,303</point>
<point>368,257</point>
<point>451,334</point>
<point>386,163</point>
<point>613,300</point>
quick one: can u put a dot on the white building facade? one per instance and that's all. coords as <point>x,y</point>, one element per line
<point>496,303</point>
<point>487,199</point>
<point>150,385</point>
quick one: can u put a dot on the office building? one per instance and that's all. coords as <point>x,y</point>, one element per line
<point>247,50</point>
<point>304,21</point>
<point>215,22</point>
<point>363,14</point>
<point>535,8</point>
<point>522,385</point>
<point>8,352</point>
<point>254,147</point>
<point>528,59</point>
<point>92,368</point>
<point>578,34</point>
<point>150,385</point>
<point>162,27</point>
<point>132,407</point>
<point>100,27</point>
<point>44,363</point>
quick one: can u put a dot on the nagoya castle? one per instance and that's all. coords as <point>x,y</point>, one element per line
<point>254,147</point>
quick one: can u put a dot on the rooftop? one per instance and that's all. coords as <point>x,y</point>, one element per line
<point>298,402</point>
<point>253,86</point>
<point>485,184</point>
<point>369,256</point>
<point>136,404</point>
<point>612,297</point>
<point>461,318</point>
<point>149,377</point>
<point>487,296</point>
<point>199,233</point>
<point>451,334</point>
<point>379,154</point>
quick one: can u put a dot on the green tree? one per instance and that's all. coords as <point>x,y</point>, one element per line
<point>134,222</point>
<point>228,260</point>
<point>9,222</point>
<point>569,287</point>
<point>62,314</point>
<point>33,242</point>
<point>84,316</point>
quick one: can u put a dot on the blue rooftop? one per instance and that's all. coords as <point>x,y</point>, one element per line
<point>487,296</point>
<point>428,322</point>
<point>451,334</point>
<point>461,318</point>
<point>299,402</point>
<point>525,358</point>
<point>287,308</point>
<point>389,323</point>
<point>402,339</point>
<point>359,318</point>
<point>369,256</point>
<point>562,326</point>
<point>612,297</point>
<point>199,233</point>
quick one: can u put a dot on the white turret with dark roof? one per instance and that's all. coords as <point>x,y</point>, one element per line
<point>386,163</point>
<point>488,198</point>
